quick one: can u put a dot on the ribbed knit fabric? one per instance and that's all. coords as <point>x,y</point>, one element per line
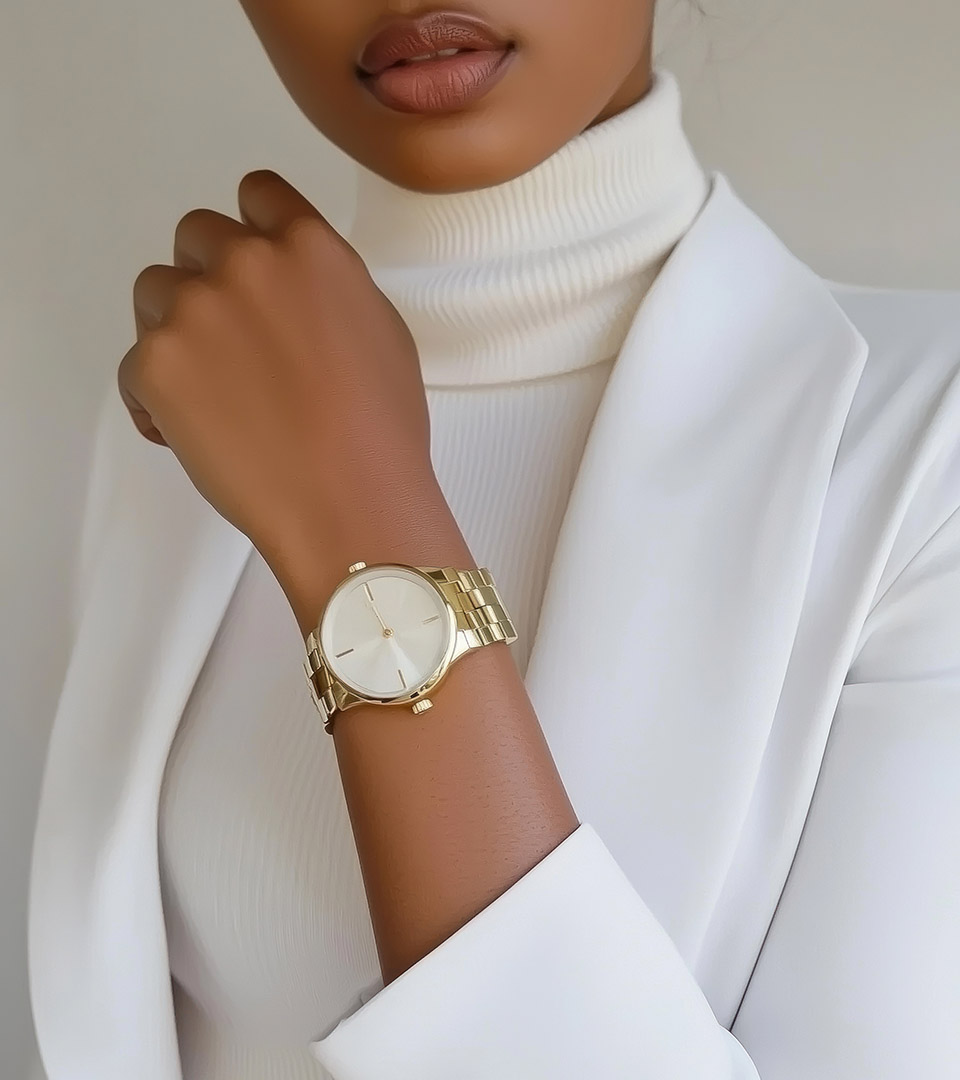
<point>543,274</point>
<point>519,297</point>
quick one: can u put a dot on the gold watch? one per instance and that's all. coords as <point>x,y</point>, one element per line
<point>390,632</point>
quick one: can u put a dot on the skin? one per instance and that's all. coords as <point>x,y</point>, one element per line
<point>289,389</point>
<point>578,63</point>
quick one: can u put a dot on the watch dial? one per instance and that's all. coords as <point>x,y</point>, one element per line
<point>385,631</point>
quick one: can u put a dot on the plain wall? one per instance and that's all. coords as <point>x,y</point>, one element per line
<point>837,120</point>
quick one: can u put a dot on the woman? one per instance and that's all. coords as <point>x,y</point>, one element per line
<point>692,810</point>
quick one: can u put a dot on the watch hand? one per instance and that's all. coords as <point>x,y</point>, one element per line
<point>387,632</point>
<point>402,660</point>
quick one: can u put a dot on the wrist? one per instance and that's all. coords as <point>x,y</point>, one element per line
<point>412,525</point>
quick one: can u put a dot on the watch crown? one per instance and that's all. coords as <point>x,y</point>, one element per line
<point>355,567</point>
<point>422,705</point>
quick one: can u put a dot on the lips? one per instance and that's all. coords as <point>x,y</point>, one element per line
<point>402,39</point>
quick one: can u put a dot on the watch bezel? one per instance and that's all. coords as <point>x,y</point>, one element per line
<point>436,675</point>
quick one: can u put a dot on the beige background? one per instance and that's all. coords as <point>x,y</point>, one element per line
<point>837,120</point>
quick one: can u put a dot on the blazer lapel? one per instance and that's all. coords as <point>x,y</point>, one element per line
<point>100,979</point>
<point>666,628</point>
<point>681,567</point>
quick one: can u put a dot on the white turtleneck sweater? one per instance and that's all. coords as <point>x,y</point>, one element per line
<point>519,297</point>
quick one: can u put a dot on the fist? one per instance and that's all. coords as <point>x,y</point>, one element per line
<point>281,377</point>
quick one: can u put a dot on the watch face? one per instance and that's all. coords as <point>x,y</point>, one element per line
<point>386,631</point>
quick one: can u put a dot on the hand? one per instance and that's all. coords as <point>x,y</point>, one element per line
<point>285,382</point>
<point>289,389</point>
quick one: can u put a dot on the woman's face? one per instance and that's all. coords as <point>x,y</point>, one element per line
<point>576,63</point>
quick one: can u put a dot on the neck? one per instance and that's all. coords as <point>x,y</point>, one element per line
<point>541,274</point>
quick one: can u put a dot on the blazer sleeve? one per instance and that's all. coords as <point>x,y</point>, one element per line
<point>104,466</point>
<point>565,975</point>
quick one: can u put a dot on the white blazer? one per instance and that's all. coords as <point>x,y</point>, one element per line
<point>747,667</point>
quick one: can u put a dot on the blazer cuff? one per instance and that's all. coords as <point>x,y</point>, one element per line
<point>566,974</point>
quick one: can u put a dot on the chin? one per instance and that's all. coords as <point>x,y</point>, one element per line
<point>441,163</point>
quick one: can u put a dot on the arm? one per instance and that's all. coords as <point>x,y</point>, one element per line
<point>450,807</point>
<point>512,943</point>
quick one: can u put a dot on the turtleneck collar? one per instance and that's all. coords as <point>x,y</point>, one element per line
<point>541,274</point>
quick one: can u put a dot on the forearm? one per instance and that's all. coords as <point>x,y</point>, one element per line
<point>452,806</point>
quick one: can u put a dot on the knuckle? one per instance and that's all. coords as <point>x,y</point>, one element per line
<point>244,257</point>
<point>191,297</point>
<point>142,368</point>
<point>252,180</point>
<point>314,237</point>
<point>189,220</point>
<point>306,231</point>
<point>126,369</point>
<point>144,279</point>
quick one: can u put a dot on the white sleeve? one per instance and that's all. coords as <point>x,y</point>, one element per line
<point>106,460</point>
<point>565,975</point>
